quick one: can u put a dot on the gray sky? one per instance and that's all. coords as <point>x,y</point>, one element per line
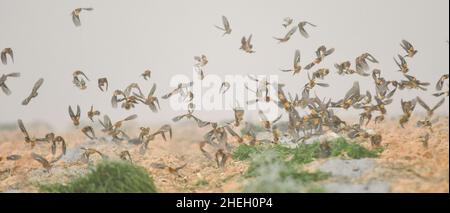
<point>121,39</point>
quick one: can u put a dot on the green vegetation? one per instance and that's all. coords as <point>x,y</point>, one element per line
<point>307,153</point>
<point>202,182</point>
<point>108,177</point>
<point>275,168</point>
<point>269,173</point>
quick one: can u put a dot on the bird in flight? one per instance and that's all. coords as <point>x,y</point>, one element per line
<point>76,15</point>
<point>226,26</point>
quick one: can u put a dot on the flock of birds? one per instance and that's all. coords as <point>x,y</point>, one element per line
<point>319,118</point>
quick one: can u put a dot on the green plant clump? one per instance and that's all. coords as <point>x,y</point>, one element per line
<point>108,177</point>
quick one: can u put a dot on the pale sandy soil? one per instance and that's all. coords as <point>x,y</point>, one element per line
<point>405,163</point>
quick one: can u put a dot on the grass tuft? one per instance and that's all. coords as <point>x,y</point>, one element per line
<point>108,177</point>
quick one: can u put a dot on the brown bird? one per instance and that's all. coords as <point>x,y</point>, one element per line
<point>407,108</point>
<point>14,157</point>
<point>221,158</point>
<point>409,48</point>
<point>312,83</point>
<point>79,79</point>
<point>403,65</point>
<point>427,123</point>
<point>321,53</point>
<point>147,74</point>
<point>413,83</point>
<point>238,116</point>
<point>76,15</point>
<point>3,79</point>
<point>361,62</point>
<point>265,121</point>
<point>321,73</point>
<point>89,132</point>
<point>103,82</point>
<point>301,27</point>
<point>344,68</point>
<point>151,101</point>
<point>424,139</point>
<point>224,87</point>
<point>430,111</point>
<point>28,139</point>
<point>44,162</point>
<point>7,51</point>
<point>34,92</point>
<point>171,170</point>
<point>75,117</point>
<point>201,61</point>
<point>126,156</point>
<point>88,152</point>
<point>297,67</point>
<point>246,44</point>
<point>118,124</point>
<point>439,84</point>
<point>92,113</point>
<point>226,26</point>
<point>287,22</point>
<point>59,140</point>
<point>288,35</point>
<point>178,90</point>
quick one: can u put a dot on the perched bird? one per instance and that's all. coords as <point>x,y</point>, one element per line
<point>76,15</point>
<point>288,36</point>
<point>103,84</point>
<point>3,79</point>
<point>34,93</point>
<point>226,26</point>
<point>246,44</point>
<point>75,117</point>
<point>301,27</point>
<point>409,48</point>
<point>7,51</point>
<point>147,74</point>
<point>297,68</point>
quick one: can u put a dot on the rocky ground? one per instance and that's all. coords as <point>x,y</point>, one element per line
<point>404,166</point>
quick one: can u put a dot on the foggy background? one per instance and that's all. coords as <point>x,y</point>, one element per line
<point>121,39</point>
